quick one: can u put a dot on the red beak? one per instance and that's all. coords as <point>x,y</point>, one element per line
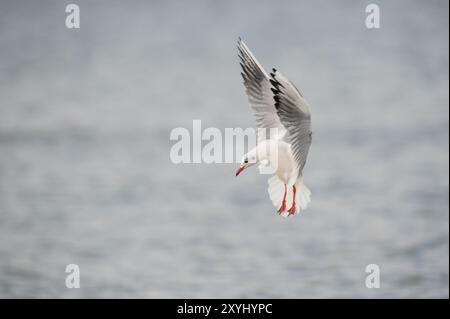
<point>240,169</point>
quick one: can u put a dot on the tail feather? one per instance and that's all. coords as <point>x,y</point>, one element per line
<point>304,194</point>
<point>276,193</point>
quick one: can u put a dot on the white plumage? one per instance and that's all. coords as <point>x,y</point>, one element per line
<point>279,105</point>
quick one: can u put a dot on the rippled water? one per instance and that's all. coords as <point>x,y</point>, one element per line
<point>85,174</point>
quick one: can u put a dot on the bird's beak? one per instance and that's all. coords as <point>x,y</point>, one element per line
<point>240,169</point>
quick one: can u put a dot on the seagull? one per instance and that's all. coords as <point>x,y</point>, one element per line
<point>281,109</point>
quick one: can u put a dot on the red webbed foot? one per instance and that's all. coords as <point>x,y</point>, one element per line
<point>292,210</point>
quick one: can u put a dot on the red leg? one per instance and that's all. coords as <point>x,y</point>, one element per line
<point>293,208</point>
<point>283,203</point>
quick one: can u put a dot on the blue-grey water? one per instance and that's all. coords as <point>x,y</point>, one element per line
<point>86,178</point>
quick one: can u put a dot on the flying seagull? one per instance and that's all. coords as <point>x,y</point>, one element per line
<point>280,110</point>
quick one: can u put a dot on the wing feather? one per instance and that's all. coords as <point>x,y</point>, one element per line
<point>277,103</point>
<point>260,95</point>
<point>295,116</point>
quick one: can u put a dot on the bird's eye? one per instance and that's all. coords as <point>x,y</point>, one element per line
<point>246,161</point>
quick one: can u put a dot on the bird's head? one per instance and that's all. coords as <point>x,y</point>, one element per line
<point>249,159</point>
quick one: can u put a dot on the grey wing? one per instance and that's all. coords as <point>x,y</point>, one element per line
<point>295,116</point>
<point>259,92</point>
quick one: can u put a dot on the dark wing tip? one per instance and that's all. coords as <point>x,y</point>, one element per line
<point>273,82</point>
<point>277,84</point>
<point>239,44</point>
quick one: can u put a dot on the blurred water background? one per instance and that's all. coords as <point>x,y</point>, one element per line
<point>86,178</point>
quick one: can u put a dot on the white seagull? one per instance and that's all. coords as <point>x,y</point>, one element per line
<point>278,105</point>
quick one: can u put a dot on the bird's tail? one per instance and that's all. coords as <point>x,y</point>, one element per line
<point>303,197</point>
<point>276,193</point>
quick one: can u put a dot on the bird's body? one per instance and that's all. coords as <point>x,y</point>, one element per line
<point>280,109</point>
<point>286,171</point>
<point>277,155</point>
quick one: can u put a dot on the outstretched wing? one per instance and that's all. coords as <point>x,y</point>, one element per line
<point>294,114</point>
<point>260,95</point>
